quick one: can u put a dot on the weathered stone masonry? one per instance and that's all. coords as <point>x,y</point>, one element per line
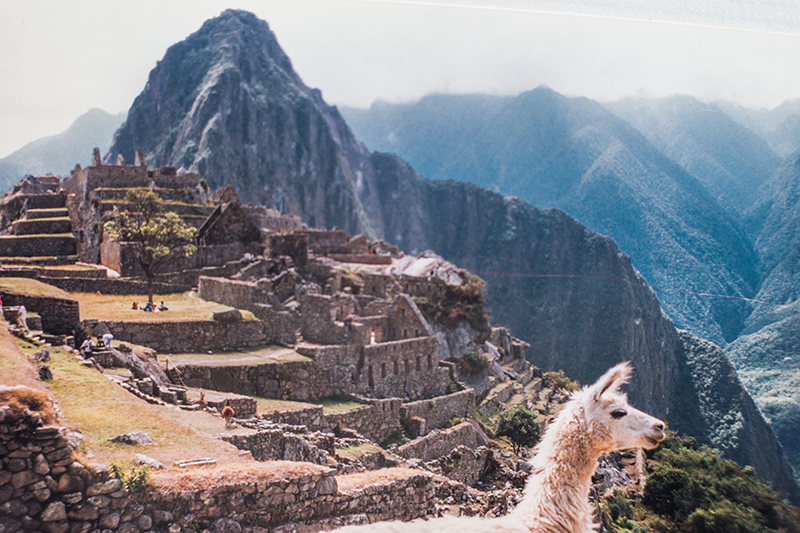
<point>44,489</point>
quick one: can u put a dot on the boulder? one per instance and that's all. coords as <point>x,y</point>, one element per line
<point>134,438</point>
<point>228,316</point>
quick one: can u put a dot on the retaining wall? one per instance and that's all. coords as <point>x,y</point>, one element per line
<point>438,411</point>
<point>59,315</point>
<point>44,489</point>
<point>441,442</point>
<point>188,337</point>
<point>37,245</point>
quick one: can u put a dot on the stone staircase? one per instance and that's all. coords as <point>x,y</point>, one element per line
<point>42,235</point>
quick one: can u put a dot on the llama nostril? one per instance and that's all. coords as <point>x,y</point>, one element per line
<point>659,426</point>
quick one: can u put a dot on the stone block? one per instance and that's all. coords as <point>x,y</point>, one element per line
<point>228,316</point>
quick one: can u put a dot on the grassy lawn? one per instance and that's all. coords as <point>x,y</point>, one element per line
<point>101,409</point>
<point>354,452</point>
<point>270,405</point>
<point>31,287</point>
<point>183,307</point>
<point>338,405</point>
<point>256,356</point>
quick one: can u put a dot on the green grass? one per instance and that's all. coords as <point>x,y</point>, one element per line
<point>32,287</point>
<point>183,307</point>
<point>338,405</point>
<point>270,405</point>
<point>101,409</point>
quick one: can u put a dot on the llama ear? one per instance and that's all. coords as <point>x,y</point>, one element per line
<point>612,380</point>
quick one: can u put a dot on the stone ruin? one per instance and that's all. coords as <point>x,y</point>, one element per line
<point>348,309</point>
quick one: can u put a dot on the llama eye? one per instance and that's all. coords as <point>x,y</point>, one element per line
<point>618,413</point>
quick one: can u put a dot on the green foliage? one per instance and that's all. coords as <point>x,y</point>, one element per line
<point>558,381</point>
<point>157,236</point>
<point>520,426</point>
<point>475,362</point>
<point>134,479</point>
<point>397,438</point>
<point>460,302</point>
<point>694,490</point>
<point>454,421</point>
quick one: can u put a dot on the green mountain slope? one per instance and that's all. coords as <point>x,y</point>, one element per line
<point>573,154</point>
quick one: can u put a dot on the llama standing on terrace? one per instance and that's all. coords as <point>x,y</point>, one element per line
<point>596,420</point>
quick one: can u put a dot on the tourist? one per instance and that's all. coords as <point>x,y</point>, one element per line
<point>135,305</point>
<point>107,338</point>
<point>86,347</point>
<point>148,307</point>
<point>22,319</point>
<point>163,307</point>
<point>2,315</point>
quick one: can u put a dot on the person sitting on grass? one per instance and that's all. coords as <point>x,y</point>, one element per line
<point>163,307</point>
<point>135,305</point>
<point>148,307</point>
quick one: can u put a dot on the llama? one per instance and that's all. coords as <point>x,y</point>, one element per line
<point>227,414</point>
<point>596,420</point>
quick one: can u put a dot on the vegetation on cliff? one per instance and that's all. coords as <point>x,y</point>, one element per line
<point>693,490</point>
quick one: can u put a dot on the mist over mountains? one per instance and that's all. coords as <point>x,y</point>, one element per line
<point>58,154</point>
<point>574,154</point>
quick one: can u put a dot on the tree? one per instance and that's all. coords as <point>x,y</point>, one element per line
<point>520,426</point>
<point>157,237</point>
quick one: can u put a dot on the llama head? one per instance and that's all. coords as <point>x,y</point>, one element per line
<point>611,421</point>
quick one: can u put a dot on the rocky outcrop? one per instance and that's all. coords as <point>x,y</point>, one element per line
<point>226,103</point>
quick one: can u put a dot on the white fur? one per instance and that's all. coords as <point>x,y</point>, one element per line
<point>556,498</point>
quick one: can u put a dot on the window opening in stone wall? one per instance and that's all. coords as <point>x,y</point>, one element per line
<point>419,363</point>
<point>383,370</point>
<point>396,368</point>
<point>370,377</point>
<point>430,361</point>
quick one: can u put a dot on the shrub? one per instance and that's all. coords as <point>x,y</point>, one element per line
<point>520,426</point>
<point>134,480</point>
<point>475,362</point>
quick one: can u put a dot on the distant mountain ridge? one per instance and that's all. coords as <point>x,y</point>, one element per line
<point>573,154</point>
<point>225,103</point>
<point>730,160</point>
<point>58,154</point>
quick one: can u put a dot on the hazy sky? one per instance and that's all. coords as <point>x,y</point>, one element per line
<point>58,59</point>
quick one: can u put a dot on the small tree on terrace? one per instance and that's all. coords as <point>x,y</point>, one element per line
<point>520,426</point>
<point>157,237</point>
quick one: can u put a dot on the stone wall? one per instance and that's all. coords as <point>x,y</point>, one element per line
<point>376,421</point>
<point>37,245</point>
<point>280,325</point>
<point>274,444</point>
<point>42,487</point>
<point>437,412</point>
<point>311,417</point>
<point>188,337</point>
<point>121,256</point>
<point>59,314</point>
<point>441,442</point>
<point>36,226</point>
<point>250,503</point>
<point>111,285</point>
<point>293,380</point>
<point>406,368</point>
